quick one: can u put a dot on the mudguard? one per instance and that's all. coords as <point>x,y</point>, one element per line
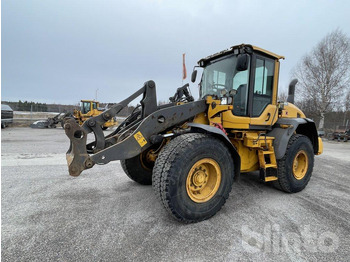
<point>286,127</point>
<point>195,127</point>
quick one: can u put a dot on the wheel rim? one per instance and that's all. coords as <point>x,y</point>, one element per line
<point>203,180</point>
<point>300,165</point>
<point>147,160</point>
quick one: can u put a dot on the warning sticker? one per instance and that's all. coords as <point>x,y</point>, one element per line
<point>140,139</point>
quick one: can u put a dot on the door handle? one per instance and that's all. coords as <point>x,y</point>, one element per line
<point>268,117</point>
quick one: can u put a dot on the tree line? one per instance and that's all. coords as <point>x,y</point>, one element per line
<point>27,106</point>
<point>59,108</point>
<point>39,107</point>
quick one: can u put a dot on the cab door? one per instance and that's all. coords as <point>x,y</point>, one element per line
<point>263,92</point>
<point>239,85</point>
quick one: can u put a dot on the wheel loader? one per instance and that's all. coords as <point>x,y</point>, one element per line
<point>51,122</point>
<point>193,151</point>
<point>90,108</point>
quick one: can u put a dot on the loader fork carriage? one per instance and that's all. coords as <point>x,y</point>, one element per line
<point>130,138</point>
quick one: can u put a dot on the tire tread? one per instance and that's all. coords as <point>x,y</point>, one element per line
<point>164,170</point>
<point>282,182</point>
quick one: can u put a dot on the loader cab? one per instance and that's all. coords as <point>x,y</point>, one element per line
<point>245,77</point>
<point>86,106</point>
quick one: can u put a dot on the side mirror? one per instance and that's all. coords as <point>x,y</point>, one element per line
<point>194,76</point>
<point>242,62</point>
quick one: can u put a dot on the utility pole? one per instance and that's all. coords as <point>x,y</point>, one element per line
<point>96,94</point>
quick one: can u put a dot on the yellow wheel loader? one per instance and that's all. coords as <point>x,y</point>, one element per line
<point>90,108</point>
<point>193,151</point>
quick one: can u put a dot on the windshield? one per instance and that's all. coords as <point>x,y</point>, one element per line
<point>221,77</point>
<point>85,107</point>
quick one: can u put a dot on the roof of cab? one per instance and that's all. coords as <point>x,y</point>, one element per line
<point>242,46</point>
<point>86,100</point>
<point>255,48</point>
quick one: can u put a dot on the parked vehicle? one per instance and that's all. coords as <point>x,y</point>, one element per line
<point>340,134</point>
<point>51,122</point>
<point>6,115</point>
<point>320,133</point>
<point>91,108</point>
<point>193,151</point>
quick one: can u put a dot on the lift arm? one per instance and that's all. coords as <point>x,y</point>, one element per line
<point>133,138</point>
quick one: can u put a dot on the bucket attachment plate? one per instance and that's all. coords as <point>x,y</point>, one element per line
<point>77,156</point>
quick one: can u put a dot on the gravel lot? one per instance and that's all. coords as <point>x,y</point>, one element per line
<point>103,216</point>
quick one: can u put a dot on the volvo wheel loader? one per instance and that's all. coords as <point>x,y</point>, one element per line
<point>90,108</point>
<point>193,151</point>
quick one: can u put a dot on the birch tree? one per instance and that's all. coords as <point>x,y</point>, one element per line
<point>324,73</point>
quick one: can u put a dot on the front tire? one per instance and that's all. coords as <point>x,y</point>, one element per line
<point>193,176</point>
<point>295,168</point>
<point>139,168</point>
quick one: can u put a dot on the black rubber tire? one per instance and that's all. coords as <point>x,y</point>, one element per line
<point>171,169</point>
<point>286,180</point>
<point>134,169</point>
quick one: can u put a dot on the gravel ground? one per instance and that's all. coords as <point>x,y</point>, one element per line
<point>103,216</point>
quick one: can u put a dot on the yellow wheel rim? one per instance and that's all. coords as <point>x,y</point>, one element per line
<point>147,159</point>
<point>300,165</point>
<point>203,180</point>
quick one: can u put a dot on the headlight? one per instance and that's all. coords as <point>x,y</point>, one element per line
<point>224,101</point>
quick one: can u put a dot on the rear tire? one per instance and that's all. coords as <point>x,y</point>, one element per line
<point>295,168</point>
<point>193,176</point>
<point>138,169</point>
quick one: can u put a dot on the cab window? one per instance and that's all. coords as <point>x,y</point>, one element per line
<point>85,107</point>
<point>240,100</point>
<point>263,84</point>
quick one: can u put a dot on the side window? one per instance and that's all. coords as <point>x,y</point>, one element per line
<point>240,100</point>
<point>94,106</point>
<point>263,85</point>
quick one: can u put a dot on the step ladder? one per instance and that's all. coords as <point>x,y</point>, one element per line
<point>267,160</point>
<point>266,154</point>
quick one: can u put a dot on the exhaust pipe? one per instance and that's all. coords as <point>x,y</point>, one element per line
<point>291,91</point>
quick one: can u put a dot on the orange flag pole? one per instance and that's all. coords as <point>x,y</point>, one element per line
<point>184,72</point>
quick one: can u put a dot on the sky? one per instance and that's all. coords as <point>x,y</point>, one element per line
<point>64,51</point>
